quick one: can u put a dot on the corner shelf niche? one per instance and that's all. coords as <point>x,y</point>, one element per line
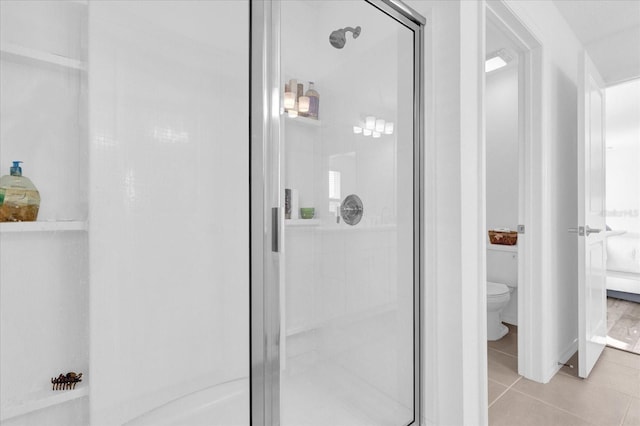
<point>40,400</point>
<point>296,223</point>
<point>303,120</point>
<point>14,51</point>
<point>44,226</point>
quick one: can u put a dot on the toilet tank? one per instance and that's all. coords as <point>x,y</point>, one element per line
<point>502,264</point>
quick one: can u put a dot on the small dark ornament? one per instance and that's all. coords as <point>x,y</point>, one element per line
<point>67,381</point>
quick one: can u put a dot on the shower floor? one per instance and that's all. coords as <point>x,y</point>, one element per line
<point>328,395</point>
<point>321,389</point>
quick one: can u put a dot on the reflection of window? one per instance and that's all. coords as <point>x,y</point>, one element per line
<point>334,191</point>
<point>622,155</point>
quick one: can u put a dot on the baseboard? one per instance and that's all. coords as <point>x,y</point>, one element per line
<point>568,353</point>
<point>561,359</point>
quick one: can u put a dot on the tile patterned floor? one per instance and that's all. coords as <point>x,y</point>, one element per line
<point>609,397</point>
<point>623,324</point>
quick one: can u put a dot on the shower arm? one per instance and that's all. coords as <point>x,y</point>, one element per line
<point>355,31</point>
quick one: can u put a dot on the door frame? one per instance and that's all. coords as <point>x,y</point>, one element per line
<point>532,206</point>
<point>266,216</point>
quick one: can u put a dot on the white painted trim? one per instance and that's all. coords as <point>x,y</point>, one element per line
<point>431,327</point>
<point>472,216</point>
<point>568,353</point>
<point>532,206</point>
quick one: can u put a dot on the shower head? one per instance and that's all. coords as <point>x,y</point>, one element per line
<point>338,37</point>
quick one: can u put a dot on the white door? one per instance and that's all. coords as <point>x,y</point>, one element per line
<point>592,291</point>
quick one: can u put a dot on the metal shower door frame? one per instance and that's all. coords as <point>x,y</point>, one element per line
<point>264,127</point>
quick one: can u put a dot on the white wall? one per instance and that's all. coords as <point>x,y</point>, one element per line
<point>168,203</point>
<point>455,360</point>
<point>455,356</point>
<point>501,118</point>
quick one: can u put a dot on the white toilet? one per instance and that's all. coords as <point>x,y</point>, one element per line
<point>502,290</point>
<point>497,298</point>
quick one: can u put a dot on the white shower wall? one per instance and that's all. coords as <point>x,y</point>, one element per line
<point>168,84</point>
<point>43,266</point>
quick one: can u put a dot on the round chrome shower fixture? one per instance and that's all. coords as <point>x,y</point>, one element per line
<point>338,37</point>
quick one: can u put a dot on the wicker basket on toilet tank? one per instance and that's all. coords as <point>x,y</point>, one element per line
<point>503,237</point>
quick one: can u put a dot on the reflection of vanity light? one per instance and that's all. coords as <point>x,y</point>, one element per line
<point>290,100</point>
<point>370,123</point>
<point>373,126</point>
<point>293,113</point>
<point>303,104</point>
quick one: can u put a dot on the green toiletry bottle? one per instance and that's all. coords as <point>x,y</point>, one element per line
<point>19,198</point>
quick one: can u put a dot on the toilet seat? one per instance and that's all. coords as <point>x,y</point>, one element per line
<point>496,289</point>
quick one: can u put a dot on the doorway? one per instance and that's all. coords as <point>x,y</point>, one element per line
<point>502,122</point>
<point>336,213</point>
<point>504,148</point>
<point>623,220</point>
<point>515,205</point>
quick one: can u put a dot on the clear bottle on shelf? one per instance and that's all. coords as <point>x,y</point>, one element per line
<point>314,101</point>
<point>19,198</point>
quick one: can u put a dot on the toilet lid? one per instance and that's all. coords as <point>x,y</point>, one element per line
<point>496,289</point>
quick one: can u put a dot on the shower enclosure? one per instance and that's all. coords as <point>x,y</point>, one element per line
<point>218,242</point>
<point>336,213</point>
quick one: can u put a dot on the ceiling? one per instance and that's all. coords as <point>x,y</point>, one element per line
<point>610,32</point>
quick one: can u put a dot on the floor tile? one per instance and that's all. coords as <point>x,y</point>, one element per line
<point>592,402</point>
<point>509,343</point>
<point>634,309</point>
<point>612,317</point>
<point>633,415</point>
<point>626,330</point>
<point>616,376</point>
<point>502,368</point>
<point>495,390</point>
<point>619,306</point>
<point>515,408</point>
<point>625,358</point>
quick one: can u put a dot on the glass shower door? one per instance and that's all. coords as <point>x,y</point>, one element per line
<point>348,263</point>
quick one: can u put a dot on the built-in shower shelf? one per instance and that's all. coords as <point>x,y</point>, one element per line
<point>303,120</point>
<point>12,50</point>
<point>39,400</point>
<point>44,226</point>
<point>301,222</point>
